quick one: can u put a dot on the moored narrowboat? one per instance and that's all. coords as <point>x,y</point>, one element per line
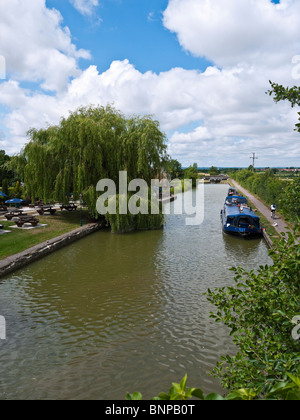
<point>232,191</point>
<point>239,219</point>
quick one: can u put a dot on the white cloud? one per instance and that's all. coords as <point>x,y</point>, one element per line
<point>226,126</point>
<point>229,32</point>
<point>214,117</point>
<point>85,7</point>
<point>36,45</point>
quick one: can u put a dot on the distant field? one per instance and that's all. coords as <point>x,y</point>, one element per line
<point>286,175</point>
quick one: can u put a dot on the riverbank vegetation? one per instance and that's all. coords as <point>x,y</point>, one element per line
<point>285,193</point>
<point>260,311</point>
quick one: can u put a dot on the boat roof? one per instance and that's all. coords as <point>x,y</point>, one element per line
<point>237,198</point>
<point>235,211</point>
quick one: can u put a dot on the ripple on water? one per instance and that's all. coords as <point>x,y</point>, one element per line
<point>118,313</point>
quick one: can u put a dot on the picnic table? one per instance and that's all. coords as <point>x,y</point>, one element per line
<point>14,213</point>
<point>14,210</point>
<point>46,209</point>
<point>21,220</point>
<point>3,208</point>
<point>69,207</point>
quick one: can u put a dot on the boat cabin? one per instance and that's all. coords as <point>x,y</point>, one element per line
<point>236,200</point>
<point>239,219</point>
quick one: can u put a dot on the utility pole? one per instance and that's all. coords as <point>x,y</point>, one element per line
<point>253,157</point>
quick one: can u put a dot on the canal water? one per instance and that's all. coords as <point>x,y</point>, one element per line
<point>113,314</point>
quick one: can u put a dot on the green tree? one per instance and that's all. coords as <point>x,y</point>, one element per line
<point>5,186</point>
<point>291,200</point>
<point>174,168</point>
<point>192,173</point>
<point>259,310</point>
<point>214,171</point>
<point>17,190</point>
<point>282,93</point>
<point>266,186</point>
<point>89,145</point>
<point>5,172</point>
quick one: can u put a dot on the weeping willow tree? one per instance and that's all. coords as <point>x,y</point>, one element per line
<point>91,144</point>
<point>122,223</point>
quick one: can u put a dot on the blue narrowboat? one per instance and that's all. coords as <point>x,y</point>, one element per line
<point>232,191</point>
<point>239,219</point>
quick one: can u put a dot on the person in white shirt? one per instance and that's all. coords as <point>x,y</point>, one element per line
<point>273,210</point>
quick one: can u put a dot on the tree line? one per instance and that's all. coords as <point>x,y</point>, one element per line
<point>9,182</point>
<point>284,193</point>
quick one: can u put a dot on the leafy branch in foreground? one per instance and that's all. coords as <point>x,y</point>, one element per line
<point>282,93</point>
<point>284,390</point>
<point>259,311</point>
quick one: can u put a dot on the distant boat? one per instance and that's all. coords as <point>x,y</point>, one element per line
<point>232,191</point>
<point>239,219</point>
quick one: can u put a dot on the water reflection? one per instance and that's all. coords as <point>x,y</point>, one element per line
<point>118,313</point>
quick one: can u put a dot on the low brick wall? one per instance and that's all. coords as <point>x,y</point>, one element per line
<point>17,261</point>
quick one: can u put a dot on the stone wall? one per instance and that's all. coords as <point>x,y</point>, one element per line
<point>17,261</point>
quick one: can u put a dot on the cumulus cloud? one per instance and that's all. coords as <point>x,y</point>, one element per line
<point>85,7</point>
<point>218,116</point>
<point>250,42</point>
<point>36,45</point>
<point>225,126</point>
<point>229,32</point>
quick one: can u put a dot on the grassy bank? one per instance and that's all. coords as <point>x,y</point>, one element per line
<point>19,240</point>
<point>271,231</point>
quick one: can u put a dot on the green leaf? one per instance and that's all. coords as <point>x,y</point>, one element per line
<point>183,383</point>
<point>294,379</point>
<point>176,387</point>
<point>136,396</point>
<point>278,388</point>
<point>163,396</point>
<point>198,393</point>
<point>293,395</point>
<point>213,397</point>
<point>241,394</point>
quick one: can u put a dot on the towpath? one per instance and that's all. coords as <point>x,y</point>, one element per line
<point>278,223</point>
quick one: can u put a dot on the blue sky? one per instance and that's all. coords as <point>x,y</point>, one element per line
<point>127,29</point>
<point>200,67</point>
